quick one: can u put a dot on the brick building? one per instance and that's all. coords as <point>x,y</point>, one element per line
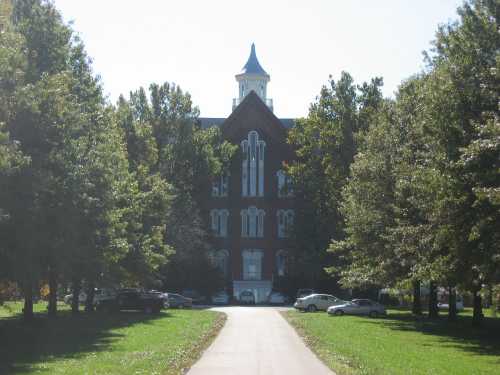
<point>250,209</point>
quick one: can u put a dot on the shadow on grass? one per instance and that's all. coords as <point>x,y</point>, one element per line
<point>484,340</point>
<point>23,344</point>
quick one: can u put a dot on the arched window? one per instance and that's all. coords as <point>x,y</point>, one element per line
<point>281,262</point>
<point>285,222</point>
<point>252,174</point>
<point>218,222</point>
<point>252,222</point>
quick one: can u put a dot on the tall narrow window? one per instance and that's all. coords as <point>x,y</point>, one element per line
<point>252,222</point>
<point>219,219</point>
<point>252,217</point>
<point>244,170</point>
<point>252,174</point>
<point>224,214</point>
<point>244,223</point>
<point>260,220</point>
<point>220,186</point>
<point>284,184</point>
<point>285,222</point>
<point>281,262</point>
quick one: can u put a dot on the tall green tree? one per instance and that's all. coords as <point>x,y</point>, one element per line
<point>325,144</point>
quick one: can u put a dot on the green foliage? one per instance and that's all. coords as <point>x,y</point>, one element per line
<point>325,144</point>
<point>422,200</point>
<point>166,144</point>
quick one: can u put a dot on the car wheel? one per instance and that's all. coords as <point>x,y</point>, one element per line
<point>148,310</point>
<point>373,314</point>
<point>339,312</point>
<point>312,308</point>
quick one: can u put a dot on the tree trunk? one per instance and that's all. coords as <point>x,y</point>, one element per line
<point>433,308</point>
<point>477,315</point>
<point>75,302</point>
<point>452,304</point>
<point>28,302</point>
<point>52,309</point>
<point>89,302</point>
<point>417,305</point>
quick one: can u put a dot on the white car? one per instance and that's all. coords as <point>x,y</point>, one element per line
<point>276,298</point>
<point>446,306</point>
<point>358,307</point>
<point>316,302</point>
<point>220,298</point>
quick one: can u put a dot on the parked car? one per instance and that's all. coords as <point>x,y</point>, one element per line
<point>247,297</point>
<point>177,301</point>
<point>276,298</point>
<point>131,299</point>
<point>358,307</point>
<point>195,296</point>
<point>304,292</point>
<point>220,298</point>
<point>316,302</point>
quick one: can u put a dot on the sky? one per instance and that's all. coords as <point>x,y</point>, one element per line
<point>201,45</point>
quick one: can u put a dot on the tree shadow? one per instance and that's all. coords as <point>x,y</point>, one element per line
<point>460,334</point>
<point>23,344</point>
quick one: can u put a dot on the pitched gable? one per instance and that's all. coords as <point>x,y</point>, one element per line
<point>253,114</point>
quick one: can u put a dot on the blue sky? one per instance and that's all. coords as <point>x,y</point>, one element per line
<point>201,45</point>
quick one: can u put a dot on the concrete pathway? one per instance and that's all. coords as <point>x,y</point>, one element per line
<point>257,341</point>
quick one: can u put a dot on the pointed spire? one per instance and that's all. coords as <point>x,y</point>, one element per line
<point>252,66</point>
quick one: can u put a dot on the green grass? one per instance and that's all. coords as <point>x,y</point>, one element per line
<point>100,343</point>
<point>400,344</point>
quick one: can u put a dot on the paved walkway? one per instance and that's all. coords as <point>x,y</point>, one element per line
<point>257,341</point>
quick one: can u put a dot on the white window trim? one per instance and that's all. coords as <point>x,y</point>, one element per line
<point>253,165</point>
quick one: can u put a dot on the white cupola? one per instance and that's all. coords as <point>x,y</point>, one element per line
<point>252,77</point>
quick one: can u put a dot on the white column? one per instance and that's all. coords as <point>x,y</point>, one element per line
<point>260,226</point>
<point>244,223</point>
<point>262,146</point>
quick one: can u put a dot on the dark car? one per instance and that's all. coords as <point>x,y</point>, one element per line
<point>177,301</point>
<point>131,299</point>
<point>195,296</point>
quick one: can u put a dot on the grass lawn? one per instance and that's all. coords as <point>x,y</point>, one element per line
<point>101,343</point>
<point>400,344</point>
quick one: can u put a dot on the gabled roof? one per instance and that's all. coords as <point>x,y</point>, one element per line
<point>252,104</point>
<point>253,66</point>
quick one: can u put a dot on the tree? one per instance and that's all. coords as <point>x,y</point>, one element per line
<point>325,144</point>
<point>166,145</point>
